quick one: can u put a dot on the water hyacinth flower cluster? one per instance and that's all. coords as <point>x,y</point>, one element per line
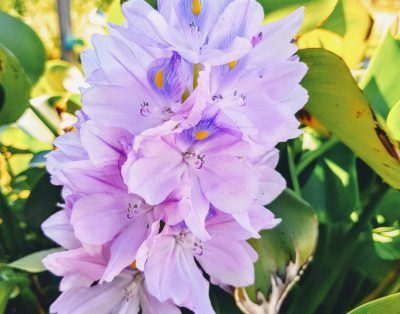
<point>173,157</point>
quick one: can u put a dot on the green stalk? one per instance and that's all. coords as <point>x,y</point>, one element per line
<point>313,155</point>
<point>53,129</point>
<point>292,170</point>
<point>196,71</point>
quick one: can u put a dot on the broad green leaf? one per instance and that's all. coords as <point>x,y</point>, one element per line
<point>316,11</point>
<point>42,202</point>
<point>393,121</point>
<point>380,83</point>
<point>386,305</point>
<point>6,288</point>
<point>32,263</point>
<point>345,33</point>
<point>286,248</point>
<point>14,86</point>
<point>332,188</point>
<point>336,22</point>
<point>23,42</point>
<point>337,102</point>
<point>387,242</point>
<point>366,261</point>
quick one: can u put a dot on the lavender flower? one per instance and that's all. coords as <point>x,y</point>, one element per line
<point>173,156</point>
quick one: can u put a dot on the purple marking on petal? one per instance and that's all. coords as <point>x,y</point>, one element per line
<point>206,129</point>
<point>168,77</point>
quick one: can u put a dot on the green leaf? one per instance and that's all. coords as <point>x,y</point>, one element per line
<point>14,86</point>
<point>389,206</point>
<point>380,83</point>
<point>222,302</point>
<point>366,261</point>
<point>337,102</point>
<point>27,179</point>
<point>386,305</point>
<point>23,42</point>
<point>6,288</point>
<point>393,121</point>
<point>336,22</point>
<point>332,188</point>
<point>32,263</point>
<point>42,201</point>
<point>286,248</point>
<point>316,11</point>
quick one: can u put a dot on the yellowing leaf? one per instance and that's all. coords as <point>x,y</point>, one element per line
<point>338,103</point>
<point>316,11</point>
<point>393,121</point>
<point>345,32</point>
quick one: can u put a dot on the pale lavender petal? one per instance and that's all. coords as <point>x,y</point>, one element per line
<point>104,145</point>
<point>98,299</point>
<point>98,218</point>
<point>179,279</point>
<point>58,228</point>
<point>150,305</point>
<point>277,36</point>
<point>229,183</point>
<point>237,49</point>
<point>228,261</point>
<point>116,106</point>
<point>125,245</point>
<point>156,175</point>
<point>223,33</point>
<point>83,267</point>
<point>198,210</point>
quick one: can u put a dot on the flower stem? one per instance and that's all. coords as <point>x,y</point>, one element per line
<point>312,155</point>
<point>292,170</point>
<point>196,70</point>
<point>53,129</point>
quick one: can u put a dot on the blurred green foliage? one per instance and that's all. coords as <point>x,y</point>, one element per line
<point>338,246</point>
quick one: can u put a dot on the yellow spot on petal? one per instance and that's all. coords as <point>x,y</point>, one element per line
<point>201,135</point>
<point>196,7</point>
<point>232,64</point>
<point>159,79</point>
<point>133,265</point>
